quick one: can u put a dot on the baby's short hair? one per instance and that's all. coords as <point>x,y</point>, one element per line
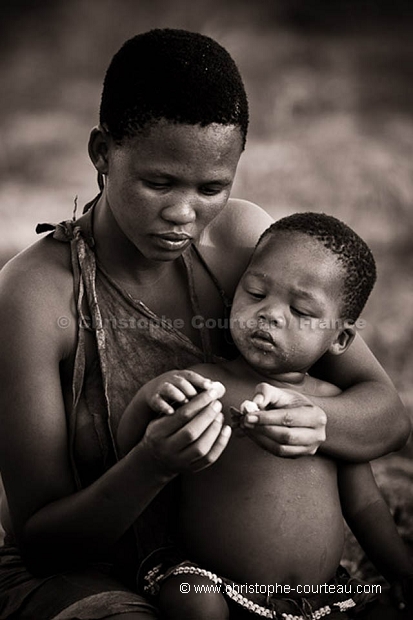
<point>181,76</point>
<point>350,250</point>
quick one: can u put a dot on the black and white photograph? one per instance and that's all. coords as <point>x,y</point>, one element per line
<point>206,310</point>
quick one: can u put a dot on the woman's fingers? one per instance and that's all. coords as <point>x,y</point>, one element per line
<point>190,410</point>
<point>193,446</point>
<point>196,427</point>
<point>290,432</point>
<point>209,446</point>
<point>290,436</point>
<point>307,416</point>
<point>295,428</point>
<point>282,449</point>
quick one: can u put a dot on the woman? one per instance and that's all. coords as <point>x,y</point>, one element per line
<point>102,305</point>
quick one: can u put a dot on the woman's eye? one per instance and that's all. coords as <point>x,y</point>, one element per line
<point>156,184</point>
<point>211,191</point>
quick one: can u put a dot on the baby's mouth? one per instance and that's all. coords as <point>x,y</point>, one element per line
<point>262,339</point>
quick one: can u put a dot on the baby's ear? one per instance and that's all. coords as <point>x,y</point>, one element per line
<point>343,340</point>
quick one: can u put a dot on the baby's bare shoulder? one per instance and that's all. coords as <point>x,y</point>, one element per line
<point>215,372</point>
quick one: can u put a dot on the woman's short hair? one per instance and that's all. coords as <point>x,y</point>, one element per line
<point>181,76</point>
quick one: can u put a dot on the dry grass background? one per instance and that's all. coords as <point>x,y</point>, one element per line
<point>331,96</point>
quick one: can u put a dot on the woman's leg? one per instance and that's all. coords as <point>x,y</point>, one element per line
<point>86,594</point>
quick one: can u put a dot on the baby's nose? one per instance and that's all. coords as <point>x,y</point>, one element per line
<point>271,317</point>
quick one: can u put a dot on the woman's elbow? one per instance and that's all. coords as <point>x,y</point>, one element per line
<point>404,427</point>
<point>397,425</point>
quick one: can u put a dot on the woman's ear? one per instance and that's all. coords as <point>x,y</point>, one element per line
<point>343,340</point>
<point>98,149</point>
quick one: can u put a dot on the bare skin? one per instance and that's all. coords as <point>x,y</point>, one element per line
<point>40,349</point>
<point>253,511</point>
<point>252,516</point>
<point>251,506</point>
<point>56,526</point>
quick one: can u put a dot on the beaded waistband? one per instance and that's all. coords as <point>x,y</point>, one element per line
<point>154,578</point>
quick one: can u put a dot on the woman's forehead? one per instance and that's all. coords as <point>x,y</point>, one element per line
<point>171,132</point>
<point>175,144</point>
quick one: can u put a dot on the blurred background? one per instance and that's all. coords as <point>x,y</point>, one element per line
<point>330,86</point>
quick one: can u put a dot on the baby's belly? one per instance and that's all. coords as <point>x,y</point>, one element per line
<point>257,518</point>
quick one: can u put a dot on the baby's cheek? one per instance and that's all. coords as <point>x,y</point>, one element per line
<point>241,319</point>
<point>238,334</point>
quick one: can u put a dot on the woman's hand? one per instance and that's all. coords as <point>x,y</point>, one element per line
<point>193,437</point>
<point>286,423</point>
<point>189,434</point>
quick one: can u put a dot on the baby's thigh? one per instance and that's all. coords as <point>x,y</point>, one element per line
<point>186,597</point>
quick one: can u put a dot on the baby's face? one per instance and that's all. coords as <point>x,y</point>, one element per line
<point>286,310</point>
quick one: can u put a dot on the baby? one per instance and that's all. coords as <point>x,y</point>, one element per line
<point>266,532</point>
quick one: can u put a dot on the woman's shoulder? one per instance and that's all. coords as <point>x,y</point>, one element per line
<point>36,286</point>
<point>43,265</point>
<point>240,223</point>
<point>228,242</point>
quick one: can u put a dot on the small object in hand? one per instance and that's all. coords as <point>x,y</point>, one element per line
<point>217,388</point>
<point>248,406</point>
<point>238,415</point>
<point>236,422</point>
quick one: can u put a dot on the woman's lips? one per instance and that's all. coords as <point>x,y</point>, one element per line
<point>172,241</point>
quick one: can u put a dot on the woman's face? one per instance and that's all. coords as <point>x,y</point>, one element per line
<point>167,183</point>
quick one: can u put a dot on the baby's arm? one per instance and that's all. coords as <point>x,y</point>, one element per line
<point>369,518</point>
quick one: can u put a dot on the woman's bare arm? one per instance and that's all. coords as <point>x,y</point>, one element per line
<point>55,525</point>
<point>370,520</point>
<point>368,419</point>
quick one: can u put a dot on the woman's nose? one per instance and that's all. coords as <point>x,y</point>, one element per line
<point>181,212</point>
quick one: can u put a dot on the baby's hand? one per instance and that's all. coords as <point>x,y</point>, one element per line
<point>172,389</point>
